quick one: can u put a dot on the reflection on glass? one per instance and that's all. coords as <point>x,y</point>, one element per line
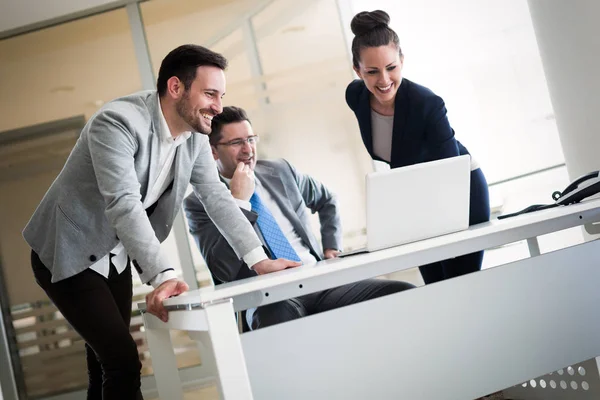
<point>306,70</point>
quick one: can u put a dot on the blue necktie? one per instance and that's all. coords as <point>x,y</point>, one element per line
<point>277,243</point>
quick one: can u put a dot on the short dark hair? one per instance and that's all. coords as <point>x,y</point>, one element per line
<point>229,115</point>
<point>371,29</point>
<point>183,61</point>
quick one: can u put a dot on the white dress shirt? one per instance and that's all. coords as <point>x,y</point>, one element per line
<point>168,149</point>
<point>284,223</point>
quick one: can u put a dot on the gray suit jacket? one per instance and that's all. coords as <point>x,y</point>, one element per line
<point>294,193</point>
<point>96,200</point>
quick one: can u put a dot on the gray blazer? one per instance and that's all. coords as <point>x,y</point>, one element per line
<point>294,193</point>
<point>96,200</point>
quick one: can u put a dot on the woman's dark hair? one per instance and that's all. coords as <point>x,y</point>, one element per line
<point>371,29</point>
<point>183,61</point>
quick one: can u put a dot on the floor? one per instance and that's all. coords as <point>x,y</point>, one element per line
<point>207,393</point>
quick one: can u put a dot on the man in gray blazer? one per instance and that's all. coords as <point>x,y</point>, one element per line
<point>115,200</point>
<point>274,197</point>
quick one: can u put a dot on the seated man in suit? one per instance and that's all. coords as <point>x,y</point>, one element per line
<point>274,197</point>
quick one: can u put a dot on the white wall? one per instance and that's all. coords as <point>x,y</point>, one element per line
<point>568,37</point>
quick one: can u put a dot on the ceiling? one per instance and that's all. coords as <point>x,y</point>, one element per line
<point>24,15</point>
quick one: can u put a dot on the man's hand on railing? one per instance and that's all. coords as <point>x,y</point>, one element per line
<point>154,299</point>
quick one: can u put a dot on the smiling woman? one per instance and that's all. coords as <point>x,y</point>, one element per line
<point>377,58</point>
<point>403,123</point>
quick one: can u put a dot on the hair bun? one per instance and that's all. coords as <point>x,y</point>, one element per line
<point>366,21</point>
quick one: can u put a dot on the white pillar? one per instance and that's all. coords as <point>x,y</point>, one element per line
<point>568,37</point>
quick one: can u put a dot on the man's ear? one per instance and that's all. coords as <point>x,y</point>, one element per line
<point>175,87</point>
<point>214,152</point>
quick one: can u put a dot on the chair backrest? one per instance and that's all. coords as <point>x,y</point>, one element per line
<point>242,322</point>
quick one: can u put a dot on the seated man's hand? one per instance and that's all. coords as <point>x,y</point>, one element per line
<point>154,299</point>
<point>242,182</point>
<point>331,253</point>
<point>268,266</point>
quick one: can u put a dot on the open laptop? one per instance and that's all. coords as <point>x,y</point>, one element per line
<point>416,202</point>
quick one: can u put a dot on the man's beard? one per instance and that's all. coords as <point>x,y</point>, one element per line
<point>189,116</point>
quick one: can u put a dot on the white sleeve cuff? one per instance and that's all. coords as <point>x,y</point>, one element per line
<point>163,277</point>
<point>243,204</point>
<point>255,256</point>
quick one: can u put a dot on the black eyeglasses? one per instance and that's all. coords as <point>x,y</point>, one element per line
<point>240,142</point>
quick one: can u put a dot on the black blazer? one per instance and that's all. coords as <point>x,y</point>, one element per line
<point>421,130</point>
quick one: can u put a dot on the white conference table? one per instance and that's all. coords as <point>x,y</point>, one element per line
<point>457,339</point>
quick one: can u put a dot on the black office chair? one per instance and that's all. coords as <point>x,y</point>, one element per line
<point>240,317</point>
